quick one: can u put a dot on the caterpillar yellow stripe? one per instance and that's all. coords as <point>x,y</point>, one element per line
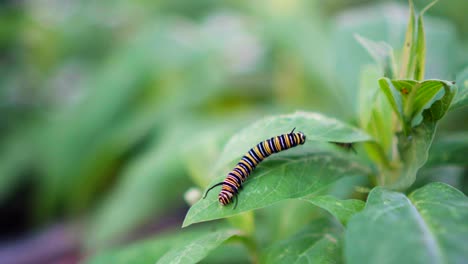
<point>240,173</point>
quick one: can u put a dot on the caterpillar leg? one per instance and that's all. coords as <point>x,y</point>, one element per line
<point>209,189</point>
<point>235,203</point>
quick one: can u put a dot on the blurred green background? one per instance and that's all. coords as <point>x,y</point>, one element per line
<point>111,110</point>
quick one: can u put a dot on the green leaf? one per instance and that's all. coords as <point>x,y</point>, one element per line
<point>394,98</point>
<point>375,112</point>
<point>159,165</point>
<point>420,59</point>
<point>152,249</point>
<point>413,149</point>
<point>429,226</point>
<point>368,92</point>
<point>194,250</point>
<point>385,21</point>
<point>319,242</point>
<point>281,177</point>
<point>341,209</point>
<point>315,126</point>
<point>294,215</point>
<point>382,53</point>
<point>147,175</point>
<point>105,156</point>
<point>316,169</point>
<point>461,98</point>
<point>449,150</point>
<point>407,61</point>
<point>421,96</point>
<point>136,88</point>
<point>410,98</point>
<point>237,252</point>
<point>420,56</point>
<point>348,55</point>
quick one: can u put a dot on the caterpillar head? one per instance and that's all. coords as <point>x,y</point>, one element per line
<point>302,137</point>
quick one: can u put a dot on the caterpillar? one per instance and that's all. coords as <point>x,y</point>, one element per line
<point>235,178</point>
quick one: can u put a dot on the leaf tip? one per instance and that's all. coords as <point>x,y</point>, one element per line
<point>186,223</point>
<point>427,7</point>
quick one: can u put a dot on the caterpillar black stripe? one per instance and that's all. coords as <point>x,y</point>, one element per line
<point>235,178</point>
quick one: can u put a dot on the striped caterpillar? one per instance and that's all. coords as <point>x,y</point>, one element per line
<point>235,178</point>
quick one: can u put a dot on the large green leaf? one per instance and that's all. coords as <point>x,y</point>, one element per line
<point>151,250</point>
<point>194,250</point>
<point>315,126</point>
<point>413,148</point>
<point>282,177</point>
<point>319,242</point>
<point>429,226</point>
<point>287,217</point>
<point>341,209</point>
<point>285,175</point>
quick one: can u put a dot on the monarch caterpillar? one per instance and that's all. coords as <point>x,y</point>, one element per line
<point>235,178</point>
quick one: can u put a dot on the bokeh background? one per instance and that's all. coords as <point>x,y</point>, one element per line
<point>111,110</point>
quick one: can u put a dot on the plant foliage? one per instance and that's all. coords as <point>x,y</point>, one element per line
<point>165,100</point>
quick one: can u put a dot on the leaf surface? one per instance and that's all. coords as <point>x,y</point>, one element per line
<point>341,209</point>
<point>410,98</point>
<point>428,226</point>
<point>276,179</point>
<point>413,148</point>
<point>407,61</point>
<point>315,126</point>
<point>194,250</point>
<point>151,250</point>
<point>293,173</point>
<point>319,242</point>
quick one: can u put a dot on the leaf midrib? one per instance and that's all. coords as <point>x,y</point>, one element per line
<point>303,253</point>
<point>429,239</point>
